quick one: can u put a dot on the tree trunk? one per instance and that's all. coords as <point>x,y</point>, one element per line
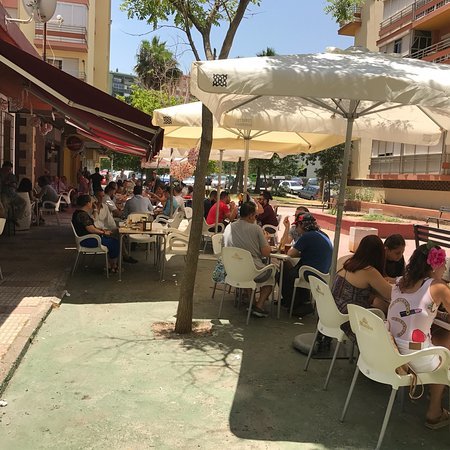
<point>185,305</point>
<point>235,185</point>
<point>258,180</point>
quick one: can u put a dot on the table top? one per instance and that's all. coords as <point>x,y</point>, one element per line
<point>282,256</point>
<point>442,324</point>
<point>153,231</point>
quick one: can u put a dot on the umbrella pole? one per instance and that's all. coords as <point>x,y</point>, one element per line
<point>247,151</point>
<point>343,185</point>
<point>219,182</point>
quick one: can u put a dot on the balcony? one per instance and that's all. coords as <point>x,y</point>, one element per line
<point>431,14</point>
<point>438,52</point>
<point>423,14</point>
<point>62,37</point>
<point>351,27</point>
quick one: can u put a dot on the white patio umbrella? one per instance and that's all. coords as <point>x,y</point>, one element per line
<point>183,128</point>
<point>379,96</point>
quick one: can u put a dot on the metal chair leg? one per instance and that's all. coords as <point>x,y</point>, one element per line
<point>76,262</point>
<point>292,301</point>
<point>350,392</point>
<point>386,417</point>
<point>331,366</point>
<point>311,350</point>
<point>221,303</point>
<point>214,290</point>
<point>252,298</point>
<point>107,268</point>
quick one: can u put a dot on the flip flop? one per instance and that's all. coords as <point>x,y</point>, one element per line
<point>441,422</point>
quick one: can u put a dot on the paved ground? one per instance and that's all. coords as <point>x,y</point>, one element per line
<point>96,376</point>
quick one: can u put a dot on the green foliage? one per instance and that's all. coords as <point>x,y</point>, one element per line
<point>147,100</point>
<point>365,194</point>
<point>269,51</point>
<point>330,163</point>
<point>201,15</point>
<point>289,166</point>
<point>125,162</point>
<point>156,66</point>
<point>213,167</point>
<point>342,10</point>
<point>381,218</point>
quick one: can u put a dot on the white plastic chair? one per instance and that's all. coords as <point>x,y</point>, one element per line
<point>272,231</point>
<point>173,222</point>
<point>66,200</point>
<point>140,238</point>
<point>49,207</point>
<point>2,227</point>
<point>208,231</point>
<point>188,212</point>
<point>330,319</point>
<point>300,281</point>
<point>379,359</point>
<point>241,273</point>
<point>100,249</point>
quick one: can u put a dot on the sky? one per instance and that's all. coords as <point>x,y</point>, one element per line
<point>288,26</point>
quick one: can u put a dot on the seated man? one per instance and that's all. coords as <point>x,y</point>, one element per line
<point>227,210</point>
<point>209,202</point>
<point>268,216</point>
<point>291,234</point>
<point>314,249</point>
<point>245,233</point>
<point>110,192</point>
<point>137,203</point>
<point>170,204</point>
<point>178,197</point>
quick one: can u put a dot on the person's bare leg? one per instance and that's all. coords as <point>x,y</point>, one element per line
<point>441,337</point>
<point>380,303</point>
<point>264,293</point>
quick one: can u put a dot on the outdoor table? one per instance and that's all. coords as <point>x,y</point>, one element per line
<point>442,324</point>
<point>160,232</point>
<point>282,257</point>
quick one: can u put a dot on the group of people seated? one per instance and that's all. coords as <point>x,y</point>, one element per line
<point>99,214</point>
<point>411,295</point>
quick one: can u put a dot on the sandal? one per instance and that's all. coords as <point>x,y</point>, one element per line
<point>441,422</point>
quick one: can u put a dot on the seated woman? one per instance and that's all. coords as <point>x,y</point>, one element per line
<point>314,249</point>
<point>361,277</point>
<point>395,263</point>
<point>420,292</point>
<point>84,224</point>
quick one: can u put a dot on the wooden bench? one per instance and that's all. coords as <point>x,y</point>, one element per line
<point>424,233</point>
<point>438,219</point>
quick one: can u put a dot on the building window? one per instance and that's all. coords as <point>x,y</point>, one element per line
<point>398,46</point>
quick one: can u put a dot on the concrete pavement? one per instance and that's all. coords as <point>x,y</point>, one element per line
<point>97,376</point>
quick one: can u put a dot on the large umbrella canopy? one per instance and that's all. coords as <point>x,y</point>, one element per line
<point>398,99</point>
<point>183,128</point>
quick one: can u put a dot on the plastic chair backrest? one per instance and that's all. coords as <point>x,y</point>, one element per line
<point>58,203</point>
<point>211,228</point>
<point>177,218</point>
<point>270,229</point>
<point>217,243</point>
<point>374,342</point>
<point>329,314</point>
<point>323,276</point>
<point>238,263</point>
<point>2,224</point>
<point>188,212</point>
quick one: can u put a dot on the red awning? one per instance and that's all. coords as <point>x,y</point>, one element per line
<point>96,113</point>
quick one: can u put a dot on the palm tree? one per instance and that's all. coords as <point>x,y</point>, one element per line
<point>269,51</point>
<point>156,66</point>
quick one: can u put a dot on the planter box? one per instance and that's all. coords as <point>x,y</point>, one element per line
<point>357,234</point>
<point>328,222</point>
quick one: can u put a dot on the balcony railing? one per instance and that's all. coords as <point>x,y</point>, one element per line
<point>412,12</point>
<point>442,45</point>
<point>62,33</point>
<point>356,17</point>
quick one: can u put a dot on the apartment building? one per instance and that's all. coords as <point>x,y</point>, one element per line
<point>414,175</point>
<point>120,83</point>
<point>76,40</point>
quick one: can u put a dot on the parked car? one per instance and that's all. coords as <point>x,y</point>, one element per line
<point>291,186</point>
<point>189,181</point>
<point>313,182</point>
<point>310,192</point>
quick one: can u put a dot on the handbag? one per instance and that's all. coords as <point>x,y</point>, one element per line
<point>219,274</point>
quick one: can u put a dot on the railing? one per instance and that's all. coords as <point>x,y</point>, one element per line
<point>62,33</point>
<point>442,45</point>
<point>398,16</point>
<point>419,4</point>
<point>355,18</point>
<point>411,9</point>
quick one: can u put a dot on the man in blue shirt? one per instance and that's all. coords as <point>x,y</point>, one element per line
<point>170,204</point>
<point>314,249</point>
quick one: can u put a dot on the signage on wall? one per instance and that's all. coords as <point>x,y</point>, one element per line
<point>74,143</point>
